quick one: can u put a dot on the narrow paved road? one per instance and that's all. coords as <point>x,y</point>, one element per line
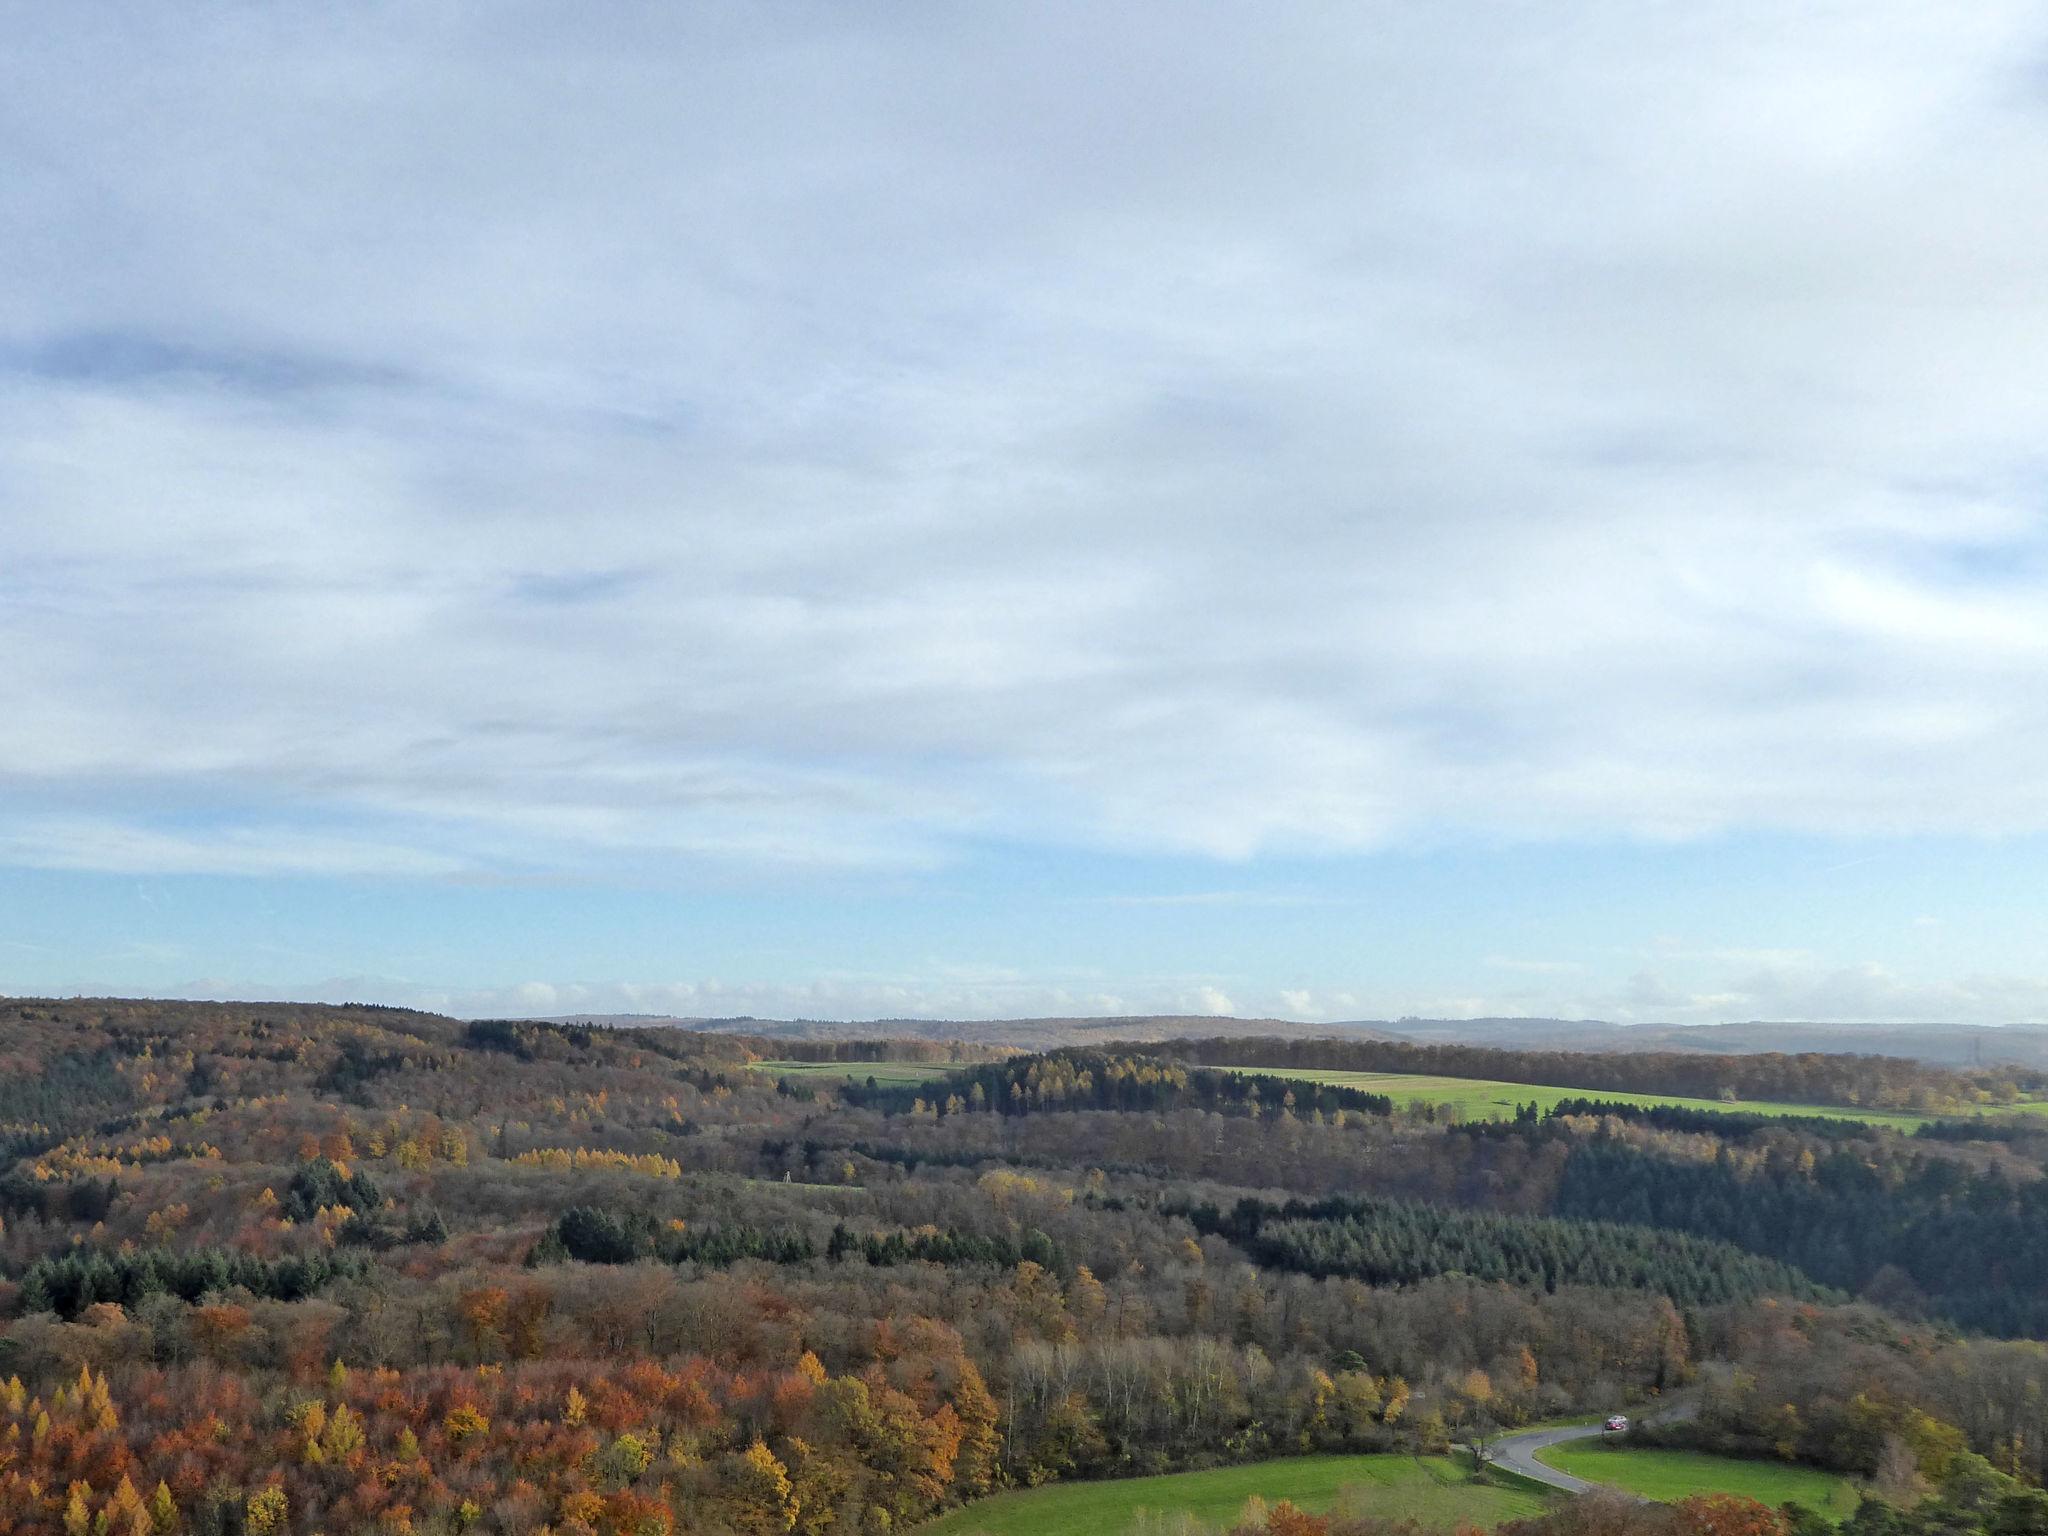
<point>1518,1452</point>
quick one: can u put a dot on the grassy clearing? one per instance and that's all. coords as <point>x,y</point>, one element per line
<point>857,1071</point>
<point>1476,1098</point>
<point>1676,1474</point>
<point>1481,1099</point>
<point>1434,1490</point>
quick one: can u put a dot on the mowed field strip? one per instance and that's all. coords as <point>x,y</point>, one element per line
<point>1435,1491</point>
<point>1476,1098</point>
<point>1668,1475</point>
<point>1484,1099</point>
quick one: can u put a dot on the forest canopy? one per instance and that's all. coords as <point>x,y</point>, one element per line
<point>274,1270</point>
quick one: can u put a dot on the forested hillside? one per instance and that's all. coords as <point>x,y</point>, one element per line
<point>1075,1079</point>
<point>276,1269</point>
<point>1811,1077</point>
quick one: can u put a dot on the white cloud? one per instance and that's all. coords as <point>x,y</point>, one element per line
<point>819,439</point>
<point>1706,988</point>
<point>92,843</point>
<point>936,993</point>
<point>1808,991</point>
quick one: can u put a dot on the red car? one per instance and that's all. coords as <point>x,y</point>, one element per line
<point>1617,1421</point>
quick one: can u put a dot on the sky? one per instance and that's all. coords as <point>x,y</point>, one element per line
<point>853,511</point>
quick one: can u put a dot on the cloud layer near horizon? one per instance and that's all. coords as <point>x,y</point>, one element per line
<point>1665,989</point>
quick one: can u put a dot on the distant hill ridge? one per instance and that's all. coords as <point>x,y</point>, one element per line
<point>1944,1044</point>
<point>1036,1034</point>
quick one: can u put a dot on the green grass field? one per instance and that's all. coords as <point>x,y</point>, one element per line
<point>1434,1490</point>
<point>1675,1474</point>
<point>1477,1098</point>
<point>859,1071</point>
<point>1480,1099</point>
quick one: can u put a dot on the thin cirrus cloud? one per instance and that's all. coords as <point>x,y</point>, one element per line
<point>814,439</point>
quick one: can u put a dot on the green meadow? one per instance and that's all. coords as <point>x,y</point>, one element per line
<point>1668,1475</point>
<point>1483,1099</point>
<point>1432,1490</point>
<point>1475,1098</point>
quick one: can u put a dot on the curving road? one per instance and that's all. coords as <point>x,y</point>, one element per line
<point>1518,1452</point>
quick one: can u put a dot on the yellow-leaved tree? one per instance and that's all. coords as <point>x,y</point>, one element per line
<point>758,1489</point>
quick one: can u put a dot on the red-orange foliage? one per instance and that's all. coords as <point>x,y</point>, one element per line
<point>1286,1520</point>
<point>215,1328</point>
<point>1725,1514</point>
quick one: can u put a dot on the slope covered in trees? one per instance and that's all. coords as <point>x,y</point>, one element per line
<point>1811,1077</point>
<point>1973,1245</point>
<point>272,1271</point>
<point>1077,1079</point>
<point>1393,1242</point>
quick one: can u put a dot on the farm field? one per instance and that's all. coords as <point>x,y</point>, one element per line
<point>1477,1098</point>
<point>858,1071</point>
<point>1433,1490</point>
<point>1674,1474</point>
<point>1490,1100</point>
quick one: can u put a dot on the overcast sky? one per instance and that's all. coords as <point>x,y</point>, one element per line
<point>1321,510</point>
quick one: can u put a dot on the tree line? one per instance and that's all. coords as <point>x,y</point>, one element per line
<point>1076,1079</point>
<point>1808,1077</point>
<point>68,1284</point>
<point>1393,1242</point>
<point>1971,1246</point>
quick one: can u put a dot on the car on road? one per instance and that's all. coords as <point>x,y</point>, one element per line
<point>1616,1422</point>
